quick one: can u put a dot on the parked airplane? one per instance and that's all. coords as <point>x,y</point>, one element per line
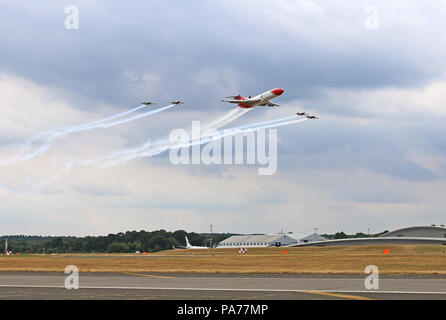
<point>189,246</point>
<point>261,100</point>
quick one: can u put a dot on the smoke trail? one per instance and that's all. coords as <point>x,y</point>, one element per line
<point>137,117</point>
<point>149,150</point>
<point>222,133</point>
<point>231,113</point>
<point>28,144</point>
<point>247,126</point>
<point>233,131</point>
<point>117,116</point>
<point>229,117</point>
<point>209,129</point>
<point>51,135</point>
<point>228,120</point>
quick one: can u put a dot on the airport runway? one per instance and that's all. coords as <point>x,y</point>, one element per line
<point>15,285</point>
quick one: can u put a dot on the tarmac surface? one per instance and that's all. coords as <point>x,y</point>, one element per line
<point>34,285</point>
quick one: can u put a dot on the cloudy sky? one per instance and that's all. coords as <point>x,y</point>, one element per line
<point>373,71</point>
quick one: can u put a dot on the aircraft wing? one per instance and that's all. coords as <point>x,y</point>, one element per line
<point>269,104</point>
<point>247,102</point>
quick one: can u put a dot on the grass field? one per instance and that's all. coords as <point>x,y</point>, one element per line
<point>402,259</point>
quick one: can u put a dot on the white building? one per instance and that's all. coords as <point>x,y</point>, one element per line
<point>263,240</point>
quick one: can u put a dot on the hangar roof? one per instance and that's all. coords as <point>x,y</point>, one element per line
<point>373,241</point>
<point>262,238</point>
<point>426,229</point>
<point>313,237</point>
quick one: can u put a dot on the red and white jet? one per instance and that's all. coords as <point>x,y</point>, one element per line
<point>261,100</point>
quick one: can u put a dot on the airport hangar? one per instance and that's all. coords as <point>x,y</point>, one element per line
<point>267,240</point>
<point>435,235</point>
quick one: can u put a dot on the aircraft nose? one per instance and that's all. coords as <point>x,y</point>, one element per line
<point>277,91</point>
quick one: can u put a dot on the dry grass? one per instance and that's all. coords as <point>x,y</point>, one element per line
<point>403,259</point>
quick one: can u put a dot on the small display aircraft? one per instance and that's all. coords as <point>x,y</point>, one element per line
<point>148,103</point>
<point>177,103</point>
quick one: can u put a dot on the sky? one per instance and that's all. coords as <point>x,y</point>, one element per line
<point>373,71</point>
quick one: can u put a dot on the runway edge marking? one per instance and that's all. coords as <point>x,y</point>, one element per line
<point>146,275</point>
<point>338,295</point>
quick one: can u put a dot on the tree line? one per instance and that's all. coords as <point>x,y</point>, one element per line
<point>343,235</point>
<point>131,241</point>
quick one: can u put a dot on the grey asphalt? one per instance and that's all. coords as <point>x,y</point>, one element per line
<point>14,285</point>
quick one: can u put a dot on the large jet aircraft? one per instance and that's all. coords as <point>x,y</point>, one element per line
<point>261,100</point>
<point>189,246</point>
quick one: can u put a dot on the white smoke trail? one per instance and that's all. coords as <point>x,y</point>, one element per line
<point>51,135</point>
<point>28,144</point>
<point>257,124</point>
<point>209,129</point>
<point>117,116</point>
<point>108,125</point>
<point>149,150</point>
<point>228,120</point>
<point>229,132</point>
<point>231,113</point>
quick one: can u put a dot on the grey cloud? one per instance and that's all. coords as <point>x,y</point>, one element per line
<point>175,41</point>
<point>346,144</point>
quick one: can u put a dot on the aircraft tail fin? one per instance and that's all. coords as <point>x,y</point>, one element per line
<point>238,97</point>
<point>187,242</point>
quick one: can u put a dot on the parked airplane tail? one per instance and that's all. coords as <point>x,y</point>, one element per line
<point>187,243</point>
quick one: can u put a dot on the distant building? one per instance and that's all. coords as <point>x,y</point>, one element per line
<point>418,232</point>
<point>432,235</point>
<point>263,240</point>
<point>312,238</point>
